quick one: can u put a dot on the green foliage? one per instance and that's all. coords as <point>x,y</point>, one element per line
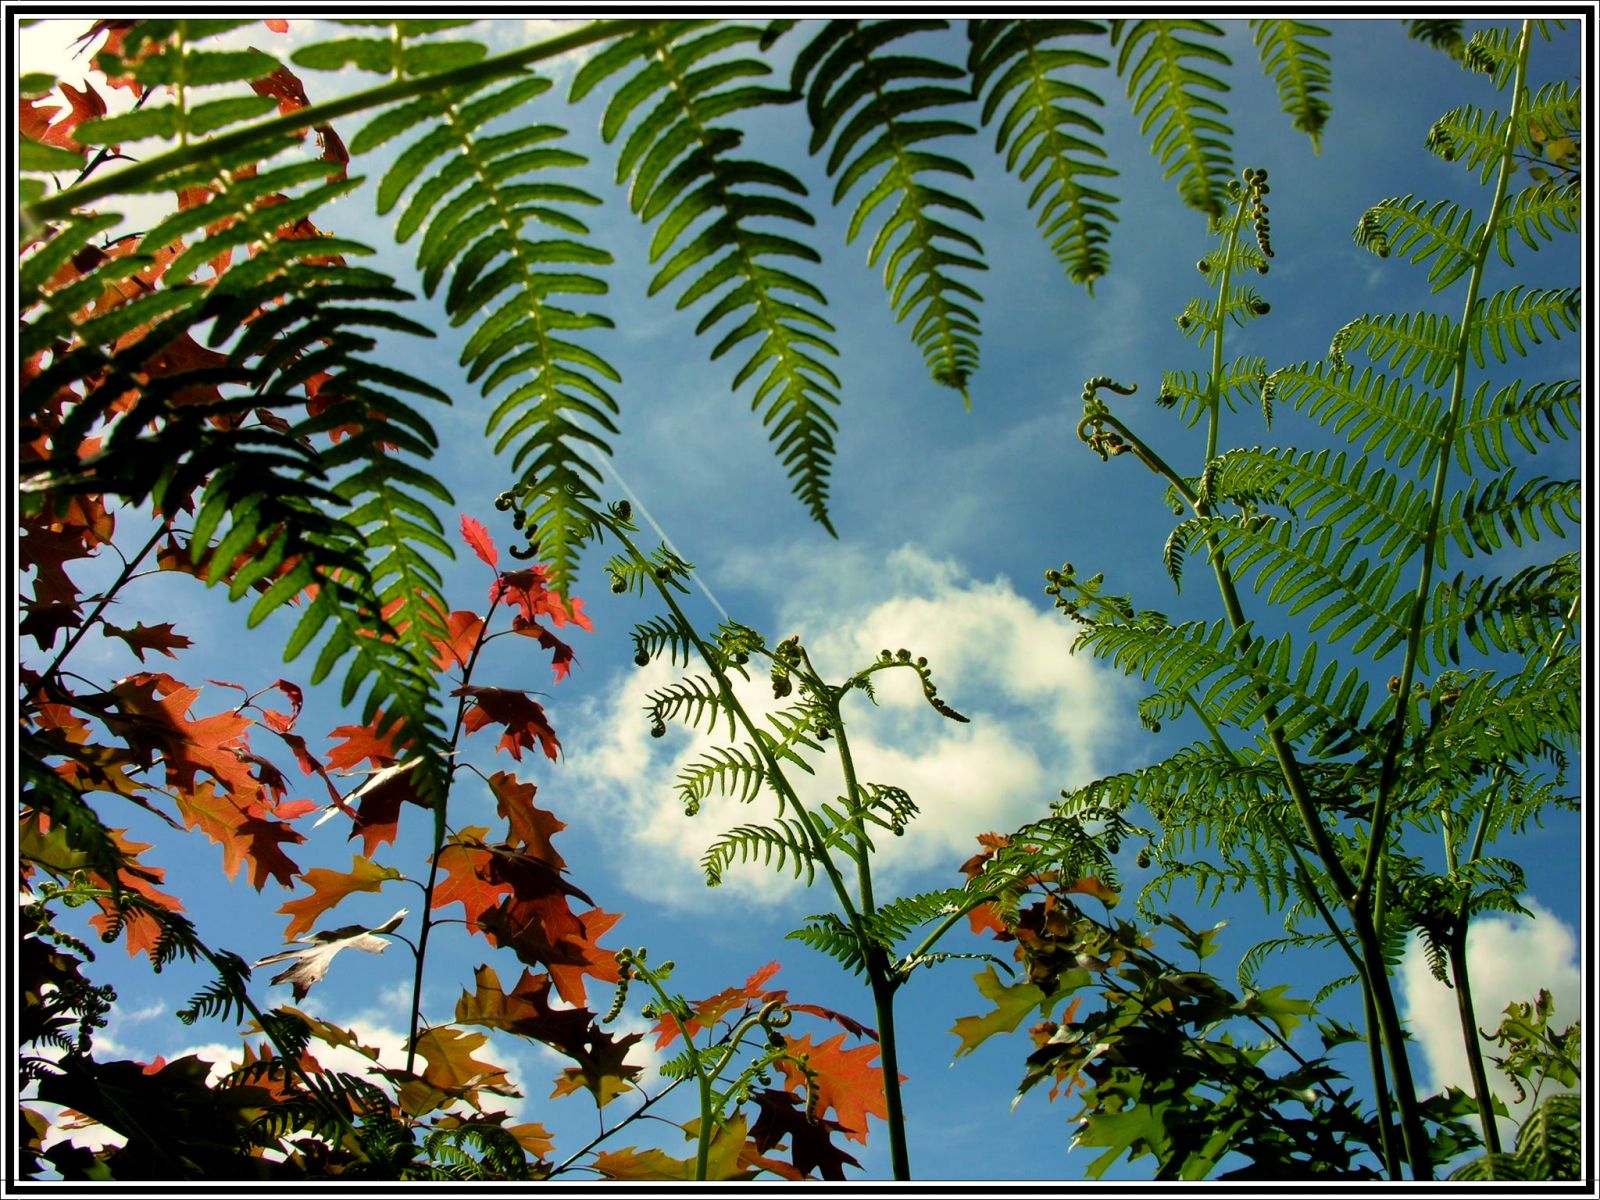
<point>677,162</point>
<point>1025,63</point>
<point>1549,1146</point>
<point>864,102</point>
<point>1313,782</point>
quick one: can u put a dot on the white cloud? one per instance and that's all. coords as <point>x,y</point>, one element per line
<point>1040,719</point>
<point>1510,958</point>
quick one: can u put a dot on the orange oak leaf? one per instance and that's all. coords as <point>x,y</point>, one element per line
<point>468,881</point>
<point>530,826</point>
<point>451,1067</point>
<point>362,743</point>
<point>329,888</point>
<point>706,1013</point>
<point>243,831</point>
<point>153,718</point>
<point>476,536</point>
<point>544,932</point>
<point>523,717</point>
<point>846,1081</point>
<point>144,637</point>
<point>455,649</point>
<point>141,932</point>
<point>574,1032</point>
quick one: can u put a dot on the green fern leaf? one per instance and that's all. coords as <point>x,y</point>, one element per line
<point>1299,66</point>
<point>1171,93</point>
<point>1025,62</point>
<point>473,211</point>
<point>679,160</point>
<point>868,107</point>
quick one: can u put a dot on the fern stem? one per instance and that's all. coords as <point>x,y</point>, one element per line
<point>780,781</point>
<point>1389,771</point>
<point>135,178</point>
<point>1461,978</point>
<point>1382,1100</point>
<point>1303,871</point>
<point>708,1119</point>
<point>883,988</point>
<point>880,973</point>
<point>1214,384</point>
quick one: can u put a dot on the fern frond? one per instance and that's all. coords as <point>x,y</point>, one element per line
<point>658,635</point>
<point>1529,412</point>
<point>1505,318</point>
<point>781,845</point>
<point>1290,54</point>
<point>1520,615</point>
<point>1476,519</point>
<point>866,105</point>
<point>1169,91</point>
<point>1024,62</point>
<point>678,158</point>
<point>831,936</point>
<point>1372,411</point>
<point>1537,214</point>
<point>1492,51</point>
<point>1444,233</point>
<point>1410,342</point>
<point>1445,36</point>
<point>472,212</point>
<point>1363,503</point>
<point>1471,136</point>
<point>1549,1147</point>
<point>726,770</point>
<point>693,700</point>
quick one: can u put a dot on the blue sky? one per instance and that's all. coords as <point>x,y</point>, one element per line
<point>947,520</point>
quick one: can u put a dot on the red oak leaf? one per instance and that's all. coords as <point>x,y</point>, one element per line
<point>144,637</point>
<point>846,1081</point>
<point>280,722</point>
<point>378,816</point>
<point>329,888</point>
<point>561,658</point>
<point>284,86</point>
<point>531,827</point>
<point>476,536</point>
<point>362,743</point>
<point>524,719</point>
<point>529,590</point>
